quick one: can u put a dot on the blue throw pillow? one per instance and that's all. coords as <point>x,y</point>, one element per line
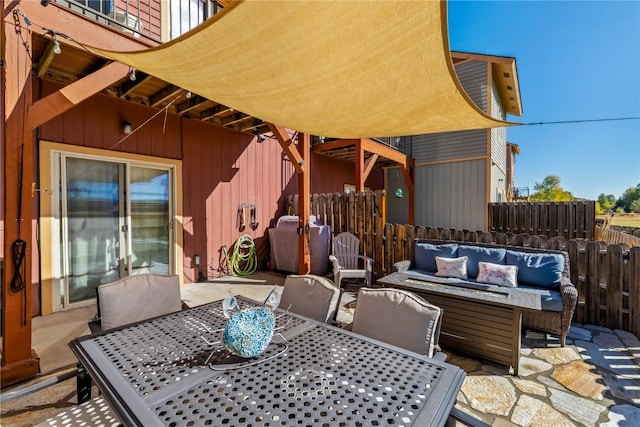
<point>542,270</point>
<point>426,253</point>
<point>478,254</point>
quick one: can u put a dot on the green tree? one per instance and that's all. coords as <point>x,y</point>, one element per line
<point>635,206</point>
<point>606,202</point>
<point>549,190</point>
<point>627,198</point>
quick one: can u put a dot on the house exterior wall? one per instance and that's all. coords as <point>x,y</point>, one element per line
<point>473,78</point>
<point>456,196</point>
<point>221,169</point>
<point>448,165</point>
<point>498,152</point>
<point>329,175</point>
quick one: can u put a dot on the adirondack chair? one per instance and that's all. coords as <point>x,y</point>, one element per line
<point>347,262</point>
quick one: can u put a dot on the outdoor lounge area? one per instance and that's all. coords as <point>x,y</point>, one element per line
<point>591,381</point>
<point>236,222</point>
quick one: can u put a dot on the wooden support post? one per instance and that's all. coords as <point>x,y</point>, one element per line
<point>304,204</point>
<point>359,177</point>
<point>19,361</point>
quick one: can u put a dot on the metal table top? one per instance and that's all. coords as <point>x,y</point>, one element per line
<point>154,373</point>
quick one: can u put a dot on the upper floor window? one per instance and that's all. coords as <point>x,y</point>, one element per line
<point>187,14</point>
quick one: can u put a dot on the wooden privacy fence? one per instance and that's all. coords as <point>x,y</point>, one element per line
<point>612,236</point>
<point>552,219</point>
<point>607,276</point>
<point>360,213</point>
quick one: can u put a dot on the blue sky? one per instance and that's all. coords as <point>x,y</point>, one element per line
<point>576,60</point>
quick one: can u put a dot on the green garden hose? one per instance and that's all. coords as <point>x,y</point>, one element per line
<point>243,258</point>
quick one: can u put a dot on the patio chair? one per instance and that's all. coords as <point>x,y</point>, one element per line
<point>347,262</point>
<point>400,318</point>
<point>311,296</point>
<point>135,298</point>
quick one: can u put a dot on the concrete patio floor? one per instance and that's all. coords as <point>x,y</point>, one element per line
<point>593,381</point>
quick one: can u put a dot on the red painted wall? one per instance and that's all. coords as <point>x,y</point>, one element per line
<point>221,169</point>
<point>329,175</point>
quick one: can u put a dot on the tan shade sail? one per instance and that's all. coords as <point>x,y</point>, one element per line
<point>344,69</point>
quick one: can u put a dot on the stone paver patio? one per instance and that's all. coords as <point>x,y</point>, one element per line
<point>593,381</point>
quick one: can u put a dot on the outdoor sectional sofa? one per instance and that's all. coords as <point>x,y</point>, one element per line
<point>544,272</point>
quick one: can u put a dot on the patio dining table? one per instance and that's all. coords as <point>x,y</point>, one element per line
<point>165,371</point>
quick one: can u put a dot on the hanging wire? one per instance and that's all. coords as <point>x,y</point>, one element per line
<point>561,122</point>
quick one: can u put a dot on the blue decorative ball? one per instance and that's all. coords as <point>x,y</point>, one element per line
<point>249,331</point>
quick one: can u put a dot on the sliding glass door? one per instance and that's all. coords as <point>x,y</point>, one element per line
<point>116,220</point>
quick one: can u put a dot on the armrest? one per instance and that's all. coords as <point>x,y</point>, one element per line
<point>569,296</point>
<point>368,262</point>
<point>334,263</point>
<point>402,266</point>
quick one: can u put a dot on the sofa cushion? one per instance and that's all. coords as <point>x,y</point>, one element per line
<point>478,254</point>
<point>452,267</point>
<point>498,274</point>
<point>536,269</point>
<point>426,253</point>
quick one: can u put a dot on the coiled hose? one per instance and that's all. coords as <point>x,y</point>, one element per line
<point>243,260</point>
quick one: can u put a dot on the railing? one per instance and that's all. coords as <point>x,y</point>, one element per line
<point>142,17</point>
<point>391,141</point>
<point>137,18</point>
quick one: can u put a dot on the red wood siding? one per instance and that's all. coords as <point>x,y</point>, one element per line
<point>221,170</point>
<point>97,123</point>
<point>329,175</point>
<point>147,11</point>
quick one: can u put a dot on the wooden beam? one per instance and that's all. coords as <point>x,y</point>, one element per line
<point>129,86</point>
<point>194,102</point>
<point>289,148</point>
<point>234,119</point>
<point>78,27</point>
<point>255,123</point>
<point>19,361</point>
<point>46,60</point>
<point>214,111</point>
<point>368,166</point>
<point>304,206</point>
<point>163,95</point>
<point>388,152</point>
<point>359,176</point>
<point>69,96</point>
<point>340,143</point>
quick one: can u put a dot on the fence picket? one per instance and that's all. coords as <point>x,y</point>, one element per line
<point>634,291</point>
<point>592,278</point>
<point>614,286</point>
